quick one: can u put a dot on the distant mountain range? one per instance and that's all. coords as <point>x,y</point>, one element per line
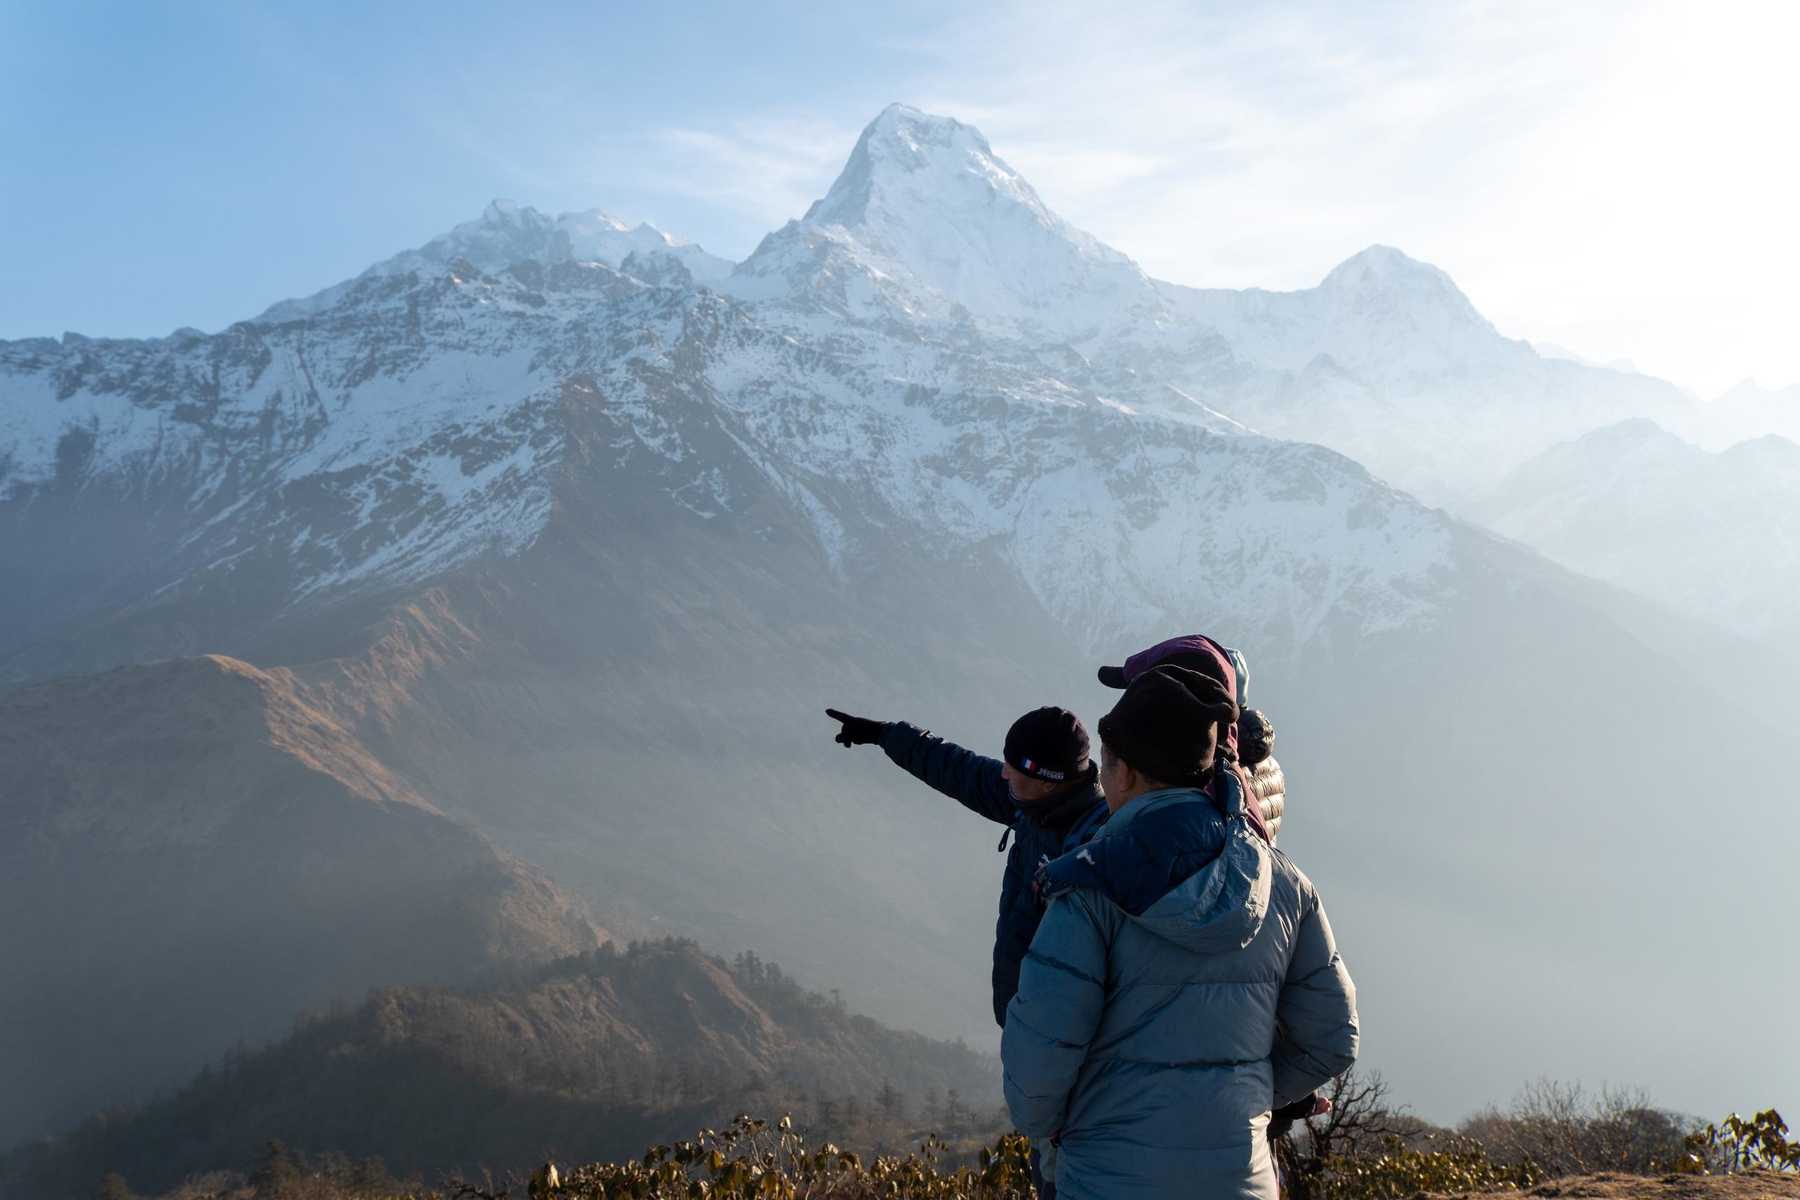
<point>575,534</point>
<point>1712,535</point>
<point>1747,412</point>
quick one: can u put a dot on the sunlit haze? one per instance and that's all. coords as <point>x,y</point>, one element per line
<point>527,531</point>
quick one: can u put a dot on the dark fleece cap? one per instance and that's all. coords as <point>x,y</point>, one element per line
<point>1166,724</point>
<point>1049,744</point>
<point>1197,652</point>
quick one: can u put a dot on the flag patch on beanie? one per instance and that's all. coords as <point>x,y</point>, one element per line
<point>1047,743</point>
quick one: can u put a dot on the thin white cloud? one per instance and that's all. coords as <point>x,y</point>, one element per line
<point>767,170</point>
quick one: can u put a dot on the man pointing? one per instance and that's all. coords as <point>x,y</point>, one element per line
<point>1044,790</point>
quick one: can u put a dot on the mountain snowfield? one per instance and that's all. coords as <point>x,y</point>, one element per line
<point>576,529</point>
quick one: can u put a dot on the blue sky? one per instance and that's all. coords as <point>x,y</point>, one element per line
<point>1613,177</point>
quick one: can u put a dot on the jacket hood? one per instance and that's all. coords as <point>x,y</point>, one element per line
<point>1181,864</point>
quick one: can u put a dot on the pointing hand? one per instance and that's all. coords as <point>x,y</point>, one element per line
<point>855,731</point>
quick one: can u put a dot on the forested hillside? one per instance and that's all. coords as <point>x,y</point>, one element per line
<point>589,1057</point>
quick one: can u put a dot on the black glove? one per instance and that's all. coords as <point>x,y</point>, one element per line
<point>856,731</point>
<point>1283,1118</point>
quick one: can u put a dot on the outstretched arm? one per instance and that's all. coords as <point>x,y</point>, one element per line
<point>1055,1014</point>
<point>973,780</point>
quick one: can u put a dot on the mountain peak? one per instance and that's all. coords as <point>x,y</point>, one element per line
<point>1409,300</point>
<point>915,128</point>
<point>1383,268</point>
<point>930,223</point>
<point>903,141</point>
<point>1633,433</point>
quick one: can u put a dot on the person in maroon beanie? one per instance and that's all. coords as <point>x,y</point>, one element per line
<point>1249,742</point>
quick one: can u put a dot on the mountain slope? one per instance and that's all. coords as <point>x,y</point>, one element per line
<point>1712,535</point>
<point>194,854</point>
<point>589,1057</point>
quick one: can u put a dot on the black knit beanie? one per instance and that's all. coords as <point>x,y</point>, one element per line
<point>1048,744</point>
<point>1166,725</point>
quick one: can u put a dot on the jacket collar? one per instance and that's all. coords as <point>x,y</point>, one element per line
<point>1181,863</point>
<point>1061,814</point>
<point>1152,802</point>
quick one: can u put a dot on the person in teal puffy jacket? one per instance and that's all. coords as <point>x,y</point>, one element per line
<point>1184,980</point>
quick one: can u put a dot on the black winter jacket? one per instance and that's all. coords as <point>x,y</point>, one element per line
<point>976,782</point>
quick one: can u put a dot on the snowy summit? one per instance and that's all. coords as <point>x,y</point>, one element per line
<point>926,221</point>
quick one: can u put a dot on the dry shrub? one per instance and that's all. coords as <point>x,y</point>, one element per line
<point>1562,1130</point>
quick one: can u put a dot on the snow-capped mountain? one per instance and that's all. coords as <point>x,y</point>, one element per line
<point>580,549</point>
<point>1387,361</point>
<point>1379,314</point>
<point>1715,535</point>
<point>927,224</point>
<point>507,233</point>
<point>416,418</point>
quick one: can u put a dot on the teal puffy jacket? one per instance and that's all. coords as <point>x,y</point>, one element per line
<point>1183,982</point>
